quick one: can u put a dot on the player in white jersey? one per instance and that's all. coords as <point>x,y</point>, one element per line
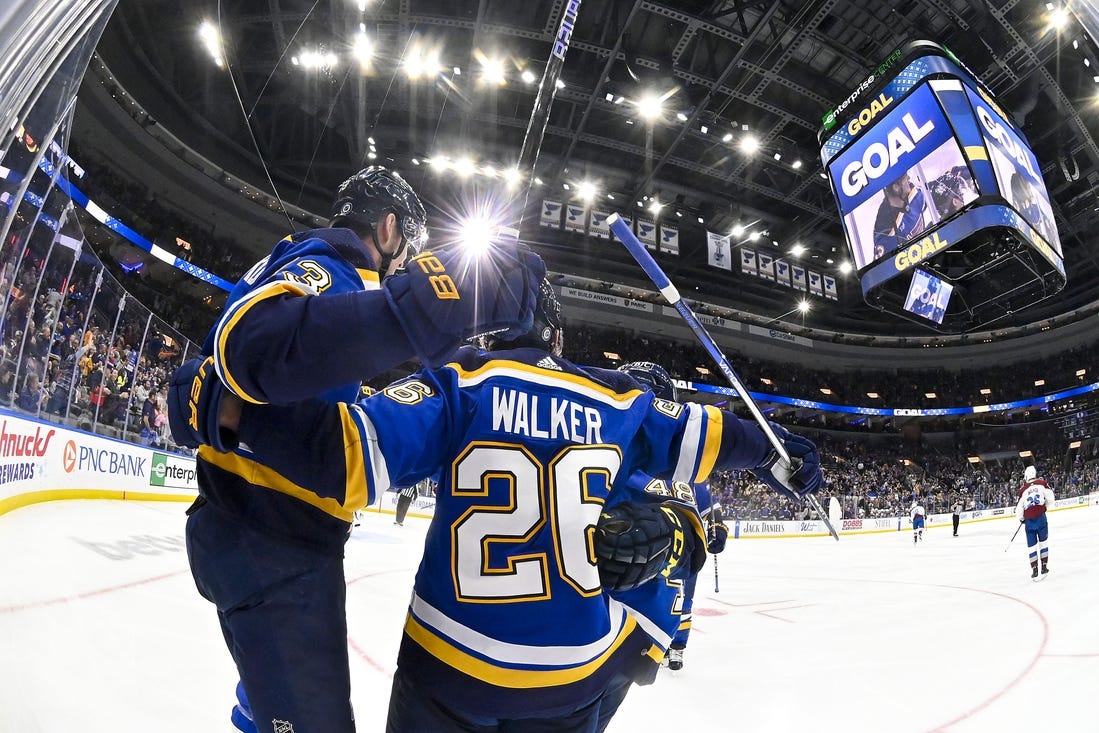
<point>1034,498</point>
<point>918,515</point>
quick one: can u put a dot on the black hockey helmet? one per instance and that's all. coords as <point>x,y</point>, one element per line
<point>369,195</point>
<point>654,377</point>
<point>546,333</point>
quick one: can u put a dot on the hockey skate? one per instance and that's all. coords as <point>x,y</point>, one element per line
<point>1034,572</point>
<point>675,659</point>
<point>1044,573</point>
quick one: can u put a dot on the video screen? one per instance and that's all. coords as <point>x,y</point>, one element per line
<point>928,296</point>
<point>1017,171</point>
<point>900,179</point>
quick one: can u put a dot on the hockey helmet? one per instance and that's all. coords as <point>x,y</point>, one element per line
<point>546,332</point>
<point>373,192</point>
<point>653,377</point>
<point>1030,473</point>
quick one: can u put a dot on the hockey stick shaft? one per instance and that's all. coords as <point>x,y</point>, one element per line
<point>1013,537</point>
<point>716,589</point>
<point>543,99</point>
<point>671,294</point>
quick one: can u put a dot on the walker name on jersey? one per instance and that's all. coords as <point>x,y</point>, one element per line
<point>533,416</point>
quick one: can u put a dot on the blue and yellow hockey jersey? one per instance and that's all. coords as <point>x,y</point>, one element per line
<point>507,613</point>
<point>273,344</point>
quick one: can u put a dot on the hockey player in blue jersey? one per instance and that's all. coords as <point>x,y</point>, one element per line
<point>655,378</point>
<point>511,624</point>
<point>1035,498</point>
<point>321,313</point>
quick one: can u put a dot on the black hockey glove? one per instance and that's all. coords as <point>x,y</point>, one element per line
<point>716,537</point>
<point>194,401</point>
<point>793,481</point>
<point>634,542</point>
<point>449,295</point>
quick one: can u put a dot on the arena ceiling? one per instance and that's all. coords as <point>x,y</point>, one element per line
<point>728,69</point>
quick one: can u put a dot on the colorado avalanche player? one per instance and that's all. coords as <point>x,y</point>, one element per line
<point>1034,498</point>
<point>918,514</point>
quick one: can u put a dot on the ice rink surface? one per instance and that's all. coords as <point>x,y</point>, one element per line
<point>101,630</point>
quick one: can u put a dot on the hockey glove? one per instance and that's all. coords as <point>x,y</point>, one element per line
<point>194,403</point>
<point>448,295</point>
<point>716,538</point>
<point>794,481</point>
<point>634,542</point>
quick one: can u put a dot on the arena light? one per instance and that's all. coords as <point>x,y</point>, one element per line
<point>439,163</point>
<point>655,206</point>
<point>727,137</point>
<point>766,381</point>
<point>797,250</point>
<point>986,391</point>
<point>492,69</point>
<point>804,306</point>
<point>1075,444</point>
<point>586,191</point>
<point>737,230</point>
<point>1058,18</point>
<point>528,76</point>
<point>650,107</point>
<point>1025,454</point>
<point>476,234</point>
<point>749,144</point>
<point>825,390</point>
<point>873,395</point>
<point>212,40</point>
<point>465,167</point>
<point>753,236</point>
<point>930,395</point>
<point>363,48</point>
<point>512,177</point>
<point>796,164</point>
<point>1039,382</point>
<point>845,267</point>
<point>611,355</point>
<point>974,459</point>
<point>421,63</point>
<point>1081,372</point>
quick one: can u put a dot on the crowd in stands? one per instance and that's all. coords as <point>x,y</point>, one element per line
<point>895,387</point>
<point>884,480</point>
<point>58,361</point>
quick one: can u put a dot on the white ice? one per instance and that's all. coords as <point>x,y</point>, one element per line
<point>101,630</point>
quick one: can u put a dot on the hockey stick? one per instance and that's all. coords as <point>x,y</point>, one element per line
<point>716,589</point>
<point>543,100</point>
<point>671,294</point>
<point>1013,537</point>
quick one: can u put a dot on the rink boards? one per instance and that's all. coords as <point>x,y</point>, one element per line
<point>41,461</point>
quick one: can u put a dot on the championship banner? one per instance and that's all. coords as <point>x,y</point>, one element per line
<point>815,286</point>
<point>551,214</point>
<point>766,267</point>
<point>598,226</point>
<point>782,272</point>
<point>669,239</point>
<point>797,278</point>
<point>748,261</point>
<point>717,251</point>
<point>576,218</point>
<point>830,288</point>
<point>646,232</point>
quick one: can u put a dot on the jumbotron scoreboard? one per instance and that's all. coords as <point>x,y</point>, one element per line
<point>943,205</point>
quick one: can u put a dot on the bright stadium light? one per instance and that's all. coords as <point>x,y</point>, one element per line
<point>586,191</point>
<point>528,76</point>
<point>797,250</point>
<point>363,48</point>
<point>212,40</point>
<point>1058,18</point>
<point>655,206</point>
<point>492,70</point>
<point>804,306</point>
<point>512,177</point>
<point>737,230</point>
<point>749,144</point>
<point>421,63</point>
<point>465,167</point>
<point>476,234</point>
<point>650,107</point>
<point>845,267</point>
